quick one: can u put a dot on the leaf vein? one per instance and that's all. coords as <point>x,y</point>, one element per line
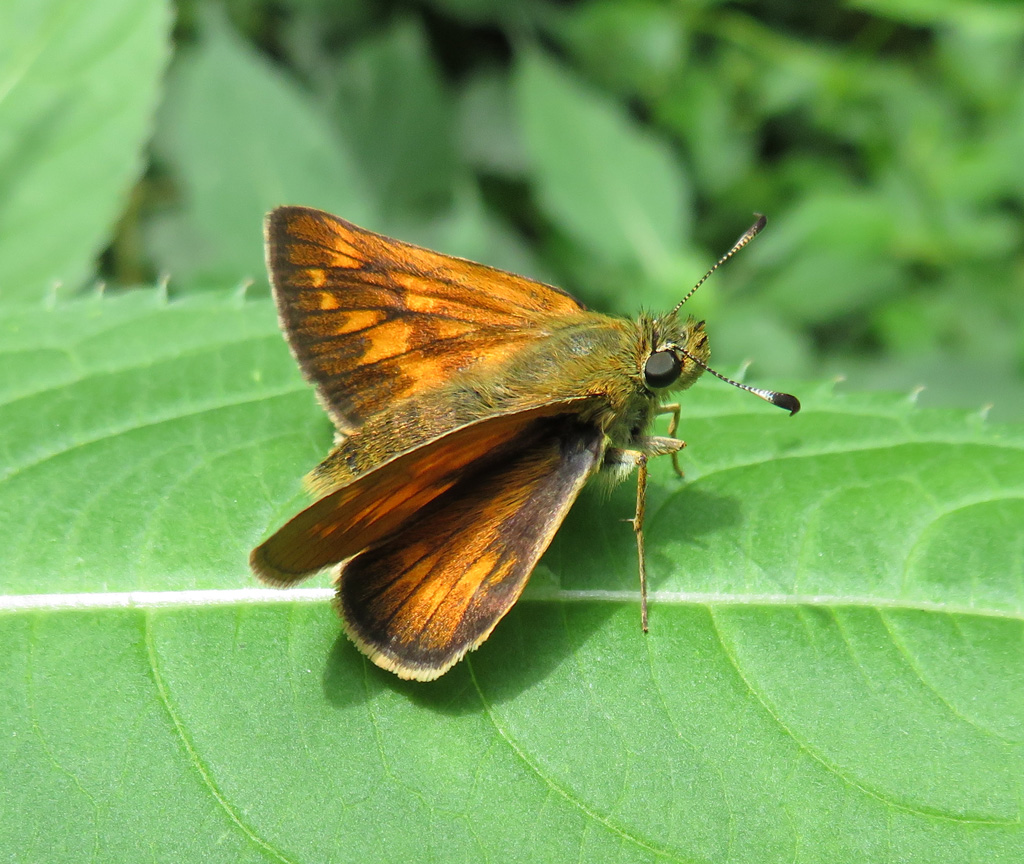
<point>163,696</point>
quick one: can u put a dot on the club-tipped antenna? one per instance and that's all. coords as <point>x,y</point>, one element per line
<point>748,235</point>
<point>783,400</point>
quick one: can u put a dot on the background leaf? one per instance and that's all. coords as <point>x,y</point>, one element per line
<point>820,681</point>
<point>391,103</point>
<point>241,139</point>
<point>78,87</point>
<point>606,182</point>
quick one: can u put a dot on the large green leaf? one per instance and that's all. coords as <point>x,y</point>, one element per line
<point>241,138</point>
<point>391,103</point>
<point>610,184</point>
<point>833,671</point>
<point>78,87</point>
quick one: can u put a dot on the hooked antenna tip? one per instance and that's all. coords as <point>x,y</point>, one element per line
<point>787,401</point>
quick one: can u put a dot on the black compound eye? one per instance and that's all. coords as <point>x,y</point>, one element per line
<point>662,369</point>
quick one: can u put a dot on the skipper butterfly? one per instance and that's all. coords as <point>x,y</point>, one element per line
<point>471,407</point>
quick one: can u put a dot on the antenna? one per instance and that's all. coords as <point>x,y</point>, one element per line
<point>748,235</point>
<point>783,400</point>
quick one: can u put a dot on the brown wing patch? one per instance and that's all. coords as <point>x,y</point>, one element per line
<point>357,515</point>
<point>373,320</point>
<point>423,596</point>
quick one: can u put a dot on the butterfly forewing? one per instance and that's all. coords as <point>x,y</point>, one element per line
<point>423,596</point>
<point>372,320</point>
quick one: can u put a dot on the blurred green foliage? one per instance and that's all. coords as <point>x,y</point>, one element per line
<point>617,148</point>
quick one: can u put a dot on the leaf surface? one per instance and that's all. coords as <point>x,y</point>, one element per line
<point>833,671</point>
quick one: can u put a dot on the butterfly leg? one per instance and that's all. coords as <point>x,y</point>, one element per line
<point>638,530</point>
<point>621,462</point>
<point>673,426</point>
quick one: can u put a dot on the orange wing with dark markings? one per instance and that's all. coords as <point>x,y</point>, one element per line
<point>351,518</point>
<point>423,596</point>
<point>372,320</point>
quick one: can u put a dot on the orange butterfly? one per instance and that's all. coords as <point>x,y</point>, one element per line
<point>472,405</point>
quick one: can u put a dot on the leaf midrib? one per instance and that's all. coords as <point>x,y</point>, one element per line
<point>11,603</point>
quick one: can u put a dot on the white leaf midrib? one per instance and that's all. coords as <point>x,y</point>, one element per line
<point>260,596</point>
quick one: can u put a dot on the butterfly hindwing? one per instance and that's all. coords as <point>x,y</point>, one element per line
<point>372,320</point>
<point>377,503</point>
<point>416,601</point>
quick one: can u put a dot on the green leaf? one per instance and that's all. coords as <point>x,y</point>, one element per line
<point>241,138</point>
<point>832,674</point>
<point>78,86</point>
<point>848,236</point>
<point>393,108</point>
<point>633,46</point>
<point>945,12</point>
<point>489,132</point>
<point>604,180</point>
<point>149,401</point>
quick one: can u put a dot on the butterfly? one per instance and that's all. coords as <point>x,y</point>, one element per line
<point>471,407</point>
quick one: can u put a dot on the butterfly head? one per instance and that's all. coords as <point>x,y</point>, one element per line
<point>680,350</point>
<point>679,354</point>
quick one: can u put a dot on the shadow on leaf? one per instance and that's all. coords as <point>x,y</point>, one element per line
<point>535,638</point>
<point>525,648</point>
